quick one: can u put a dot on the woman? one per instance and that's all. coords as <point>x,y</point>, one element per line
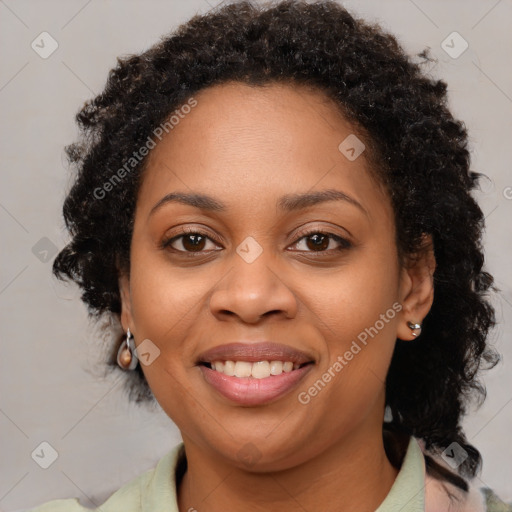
<point>275,204</point>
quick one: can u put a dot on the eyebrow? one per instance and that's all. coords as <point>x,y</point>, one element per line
<point>288,202</point>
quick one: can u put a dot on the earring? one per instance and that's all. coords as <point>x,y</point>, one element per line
<point>414,327</point>
<point>126,355</point>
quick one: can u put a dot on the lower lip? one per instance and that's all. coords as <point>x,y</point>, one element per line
<point>252,391</point>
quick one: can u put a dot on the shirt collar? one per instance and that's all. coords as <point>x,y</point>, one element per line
<point>160,495</point>
<point>407,493</point>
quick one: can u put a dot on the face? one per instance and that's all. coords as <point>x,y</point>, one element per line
<point>256,263</point>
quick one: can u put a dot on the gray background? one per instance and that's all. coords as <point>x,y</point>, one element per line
<point>48,344</point>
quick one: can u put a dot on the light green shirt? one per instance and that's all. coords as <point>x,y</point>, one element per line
<point>155,490</point>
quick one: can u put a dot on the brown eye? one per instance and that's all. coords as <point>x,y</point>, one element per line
<point>188,242</point>
<point>317,241</point>
<point>193,242</point>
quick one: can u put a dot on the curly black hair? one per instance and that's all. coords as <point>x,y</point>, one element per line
<point>416,148</point>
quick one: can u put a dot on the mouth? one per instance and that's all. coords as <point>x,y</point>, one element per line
<point>256,373</point>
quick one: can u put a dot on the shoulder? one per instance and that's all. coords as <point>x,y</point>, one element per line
<point>154,489</point>
<point>127,499</point>
<point>493,502</point>
<point>63,505</point>
<point>443,495</point>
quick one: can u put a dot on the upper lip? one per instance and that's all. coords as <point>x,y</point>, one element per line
<point>253,352</point>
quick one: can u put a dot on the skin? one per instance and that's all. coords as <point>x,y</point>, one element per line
<point>247,147</point>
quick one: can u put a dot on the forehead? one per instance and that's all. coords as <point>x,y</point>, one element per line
<point>250,144</point>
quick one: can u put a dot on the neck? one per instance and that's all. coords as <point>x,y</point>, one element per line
<point>353,474</point>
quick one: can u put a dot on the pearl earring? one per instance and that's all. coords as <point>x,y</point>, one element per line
<point>126,355</point>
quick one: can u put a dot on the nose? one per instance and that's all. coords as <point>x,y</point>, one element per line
<point>252,291</point>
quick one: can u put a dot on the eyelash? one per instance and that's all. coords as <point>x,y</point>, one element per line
<point>344,243</point>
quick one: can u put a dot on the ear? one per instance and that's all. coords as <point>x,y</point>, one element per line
<point>126,303</point>
<point>416,288</point>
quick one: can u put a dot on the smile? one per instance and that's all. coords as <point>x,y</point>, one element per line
<point>254,373</point>
<point>250,384</point>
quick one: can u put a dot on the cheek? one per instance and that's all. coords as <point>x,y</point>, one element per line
<point>164,298</point>
<point>358,311</point>
<point>166,308</point>
<point>354,297</point>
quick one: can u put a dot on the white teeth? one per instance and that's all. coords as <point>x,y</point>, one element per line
<point>229,368</point>
<point>258,370</point>
<point>218,365</point>
<point>276,367</point>
<point>242,369</point>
